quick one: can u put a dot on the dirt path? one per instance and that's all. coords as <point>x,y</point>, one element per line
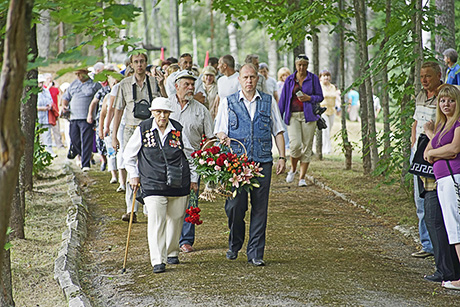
<point>320,252</point>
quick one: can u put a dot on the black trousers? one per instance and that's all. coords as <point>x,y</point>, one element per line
<point>236,210</point>
<point>445,256</point>
<point>81,137</point>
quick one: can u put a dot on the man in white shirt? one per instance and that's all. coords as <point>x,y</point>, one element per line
<point>196,121</point>
<point>237,114</point>
<point>185,63</point>
<point>270,84</point>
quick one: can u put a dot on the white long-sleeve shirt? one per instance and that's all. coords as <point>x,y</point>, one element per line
<point>135,144</point>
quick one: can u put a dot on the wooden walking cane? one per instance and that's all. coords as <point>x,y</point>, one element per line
<point>129,230</point>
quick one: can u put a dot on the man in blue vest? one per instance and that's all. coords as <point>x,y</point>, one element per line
<point>251,117</point>
<point>453,69</point>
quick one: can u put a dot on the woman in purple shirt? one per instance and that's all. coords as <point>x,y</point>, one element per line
<point>443,151</point>
<point>300,95</point>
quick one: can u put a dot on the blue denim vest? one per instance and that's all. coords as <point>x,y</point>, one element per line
<point>256,134</point>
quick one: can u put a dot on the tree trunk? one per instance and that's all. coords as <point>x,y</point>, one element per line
<point>43,31</point>
<point>11,80</point>
<point>446,19</point>
<point>61,42</point>
<point>362,44</point>
<point>172,29</point>
<point>146,25</point>
<point>273,59</point>
<point>232,41</point>
<point>194,38</point>
<point>372,130</point>
<point>211,25</point>
<point>346,143</point>
<point>334,58</point>
<point>155,20</point>
<point>6,287</point>
<point>385,96</point>
<point>300,49</point>
<point>17,213</point>
<point>28,118</point>
<point>177,30</point>
<point>319,133</point>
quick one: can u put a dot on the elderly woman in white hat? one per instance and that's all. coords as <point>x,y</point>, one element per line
<point>155,158</point>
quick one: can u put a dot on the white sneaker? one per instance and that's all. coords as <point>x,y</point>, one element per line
<point>302,183</point>
<point>85,169</point>
<point>113,180</point>
<point>290,177</point>
<point>121,188</point>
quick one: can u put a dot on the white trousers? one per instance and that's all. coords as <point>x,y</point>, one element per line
<point>327,145</point>
<point>165,219</point>
<point>450,213</point>
<point>301,136</point>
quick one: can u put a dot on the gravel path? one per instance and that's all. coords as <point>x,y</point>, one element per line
<point>320,251</point>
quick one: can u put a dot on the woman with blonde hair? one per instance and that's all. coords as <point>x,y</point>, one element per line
<point>283,73</point>
<point>443,151</point>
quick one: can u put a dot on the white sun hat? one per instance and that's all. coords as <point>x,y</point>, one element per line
<point>161,103</point>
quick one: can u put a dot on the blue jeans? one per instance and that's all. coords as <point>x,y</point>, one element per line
<point>420,205</point>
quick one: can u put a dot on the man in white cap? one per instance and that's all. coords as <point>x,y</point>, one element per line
<point>156,147</point>
<point>196,121</point>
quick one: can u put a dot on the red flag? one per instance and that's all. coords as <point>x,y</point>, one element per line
<point>162,55</point>
<point>206,59</point>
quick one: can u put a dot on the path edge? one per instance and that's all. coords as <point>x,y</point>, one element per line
<point>66,263</point>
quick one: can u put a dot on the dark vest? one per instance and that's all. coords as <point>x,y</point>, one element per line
<point>152,166</point>
<point>254,134</point>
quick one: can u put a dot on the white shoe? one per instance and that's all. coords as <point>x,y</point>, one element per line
<point>85,169</point>
<point>121,188</point>
<point>113,180</point>
<point>290,177</point>
<point>302,183</point>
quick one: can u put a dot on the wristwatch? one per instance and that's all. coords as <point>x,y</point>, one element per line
<point>282,158</point>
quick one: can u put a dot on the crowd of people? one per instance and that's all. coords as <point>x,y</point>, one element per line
<point>149,119</point>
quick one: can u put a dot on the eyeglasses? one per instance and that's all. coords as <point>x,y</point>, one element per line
<point>302,57</point>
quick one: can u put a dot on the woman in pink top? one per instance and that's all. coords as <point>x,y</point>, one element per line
<point>443,151</point>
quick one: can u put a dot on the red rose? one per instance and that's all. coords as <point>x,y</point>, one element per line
<point>215,150</point>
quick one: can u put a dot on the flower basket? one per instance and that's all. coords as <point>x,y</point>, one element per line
<point>223,172</point>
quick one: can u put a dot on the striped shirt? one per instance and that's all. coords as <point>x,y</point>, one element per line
<point>425,111</point>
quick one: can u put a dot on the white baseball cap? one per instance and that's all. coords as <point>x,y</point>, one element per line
<point>188,74</point>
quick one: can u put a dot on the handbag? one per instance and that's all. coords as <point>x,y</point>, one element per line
<point>420,166</point>
<point>141,107</point>
<point>321,124</point>
<point>173,172</point>
<point>456,185</point>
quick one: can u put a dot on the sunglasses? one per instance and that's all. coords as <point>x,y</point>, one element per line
<point>302,57</point>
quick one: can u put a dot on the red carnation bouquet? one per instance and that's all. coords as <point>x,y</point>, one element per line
<point>194,211</point>
<point>224,172</point>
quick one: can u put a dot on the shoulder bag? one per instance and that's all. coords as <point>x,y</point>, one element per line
<point>456,185</point>
<point>141,107</point>
<point>420,166</point>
